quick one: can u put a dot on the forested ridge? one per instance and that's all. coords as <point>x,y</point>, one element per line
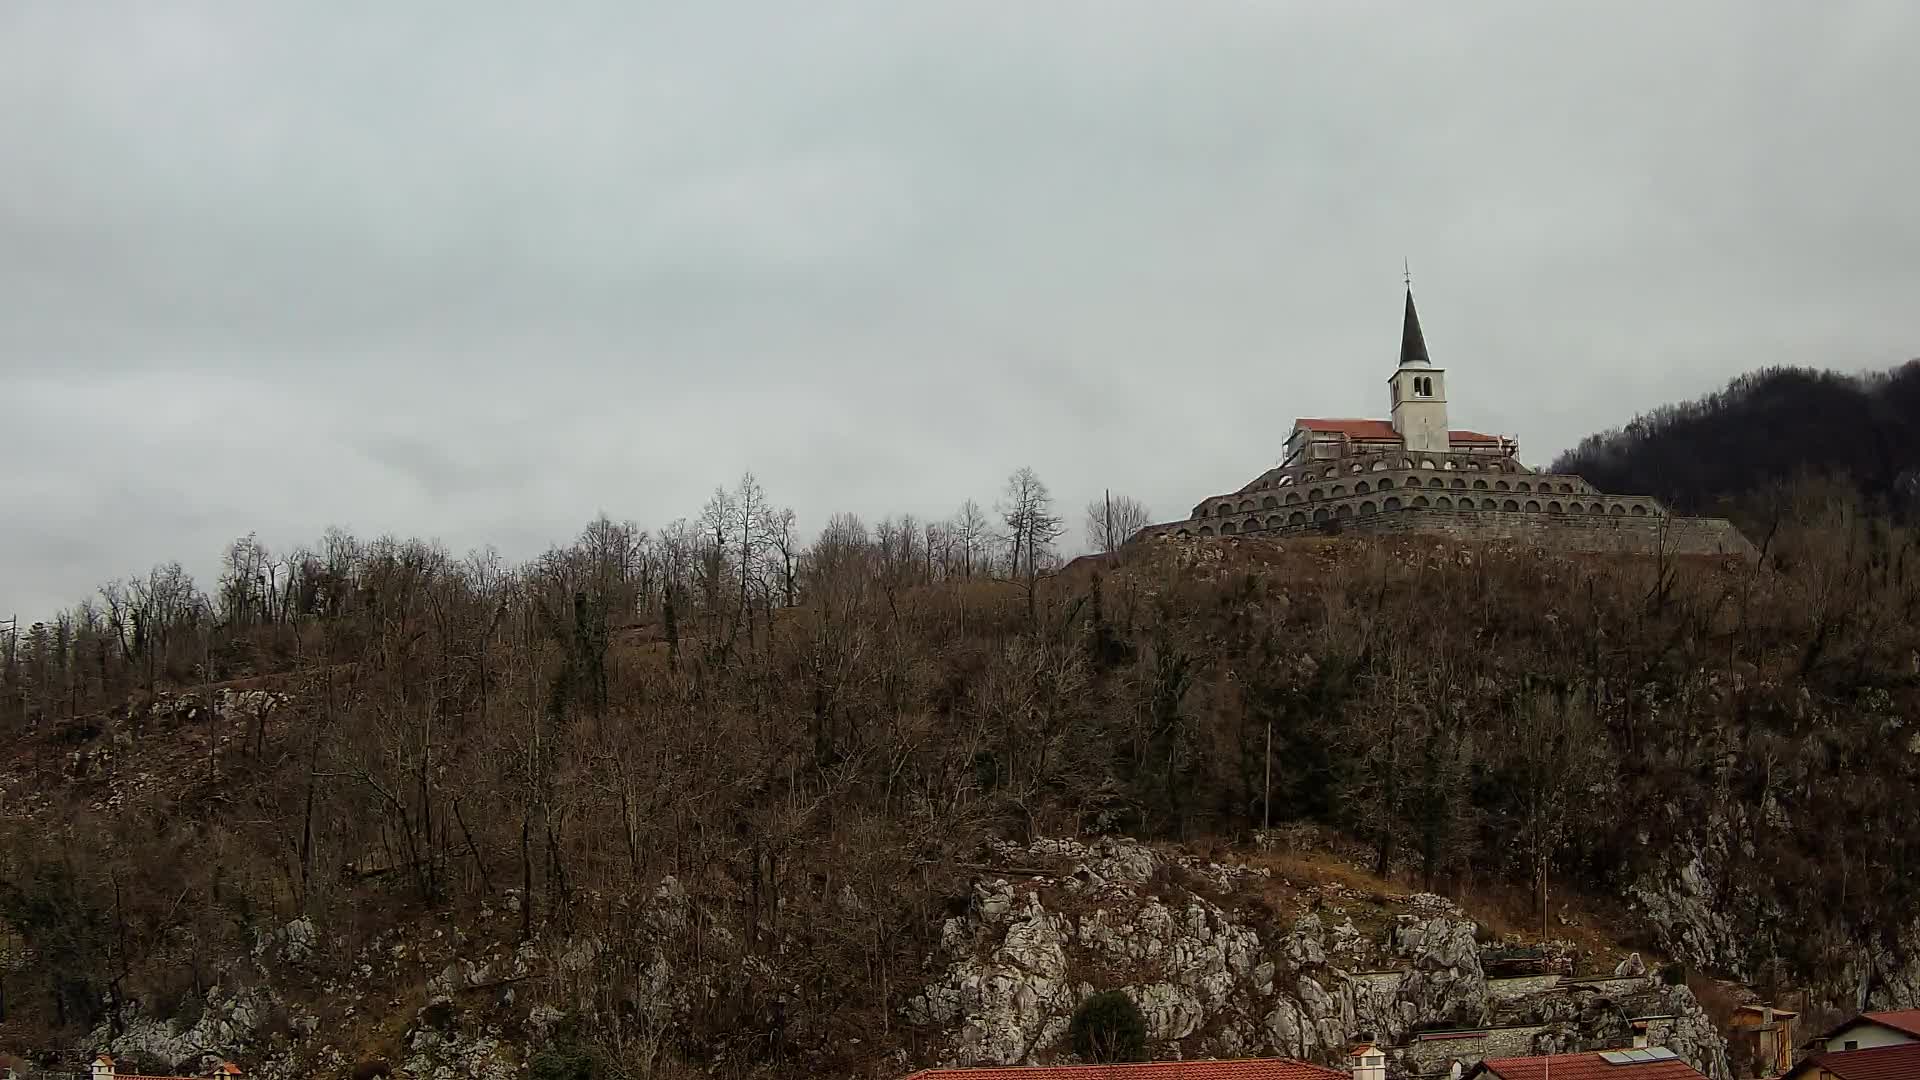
<point>811,741</point>
<point>1763,429</point>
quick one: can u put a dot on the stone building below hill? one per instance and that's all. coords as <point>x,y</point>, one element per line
<point>1413,473</point>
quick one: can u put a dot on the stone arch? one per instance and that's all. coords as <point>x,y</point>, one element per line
<point>1532,507</point>
<point>1361,488</point>
<point>1503,485</point>
<point>1292,497</point>
<point>1316,493</point>
<point>1283,481</point>
<point>1321,514</point>
<point>1273,522</point>
<point>1297,518</point>
<point>1479,485</point>
<point>1394,503</point>
<point>1575,508</point>
<point>1444,503</point>
<point>1356,467</point>
<point>1489,504</point>
<point>1224,509</point>
<point>1344,510</point>
<point>1566,489</point>
<point>1447,464</point>
<point>1459,483</point>
<point>1425,463</point>
<point>1639,510</point>
<point>1269,503</point>
<point>1555,508</point>
<point>1619,510</point>
<point>1421,501</point>
<point>1386,482</point>
<point>1379,464</point>
<point>1596,508</point>
<point>1338,490</point>
<point>1511,506</point>
<point>1228,528</point>
<point>1368,508</point>
<point>1246,505</point>
<point>1434,481</point>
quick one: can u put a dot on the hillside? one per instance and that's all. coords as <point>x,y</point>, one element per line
<point>659,806</point>
<point>1764,429</point>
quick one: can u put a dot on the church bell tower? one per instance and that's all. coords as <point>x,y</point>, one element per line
<point>1419,391</point>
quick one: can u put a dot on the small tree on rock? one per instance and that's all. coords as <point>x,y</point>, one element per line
<point>1108,1027</point>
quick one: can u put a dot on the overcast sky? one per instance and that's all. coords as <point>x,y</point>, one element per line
<point>478,271</point>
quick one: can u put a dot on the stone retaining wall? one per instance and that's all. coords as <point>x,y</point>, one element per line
<point>1642,535</point>
<point>1627,533</point>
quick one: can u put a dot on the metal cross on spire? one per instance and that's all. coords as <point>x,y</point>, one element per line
<point>1407,273</point>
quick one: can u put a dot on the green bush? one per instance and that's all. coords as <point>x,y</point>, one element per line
<point>1108,1027</point>
<point>561,1063</point>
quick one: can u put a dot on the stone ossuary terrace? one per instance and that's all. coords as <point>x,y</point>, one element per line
<point>1414,474</point>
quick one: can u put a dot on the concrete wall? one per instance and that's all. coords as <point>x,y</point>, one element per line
<point>1432,1057</point>
<point>1503,991</point>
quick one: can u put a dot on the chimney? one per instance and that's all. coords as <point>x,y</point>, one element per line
<point>1369,1062</point>
<point>1639,1034</point>
<point>103,1068</point>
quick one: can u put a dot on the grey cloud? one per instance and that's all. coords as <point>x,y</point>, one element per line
<point>477,271</point>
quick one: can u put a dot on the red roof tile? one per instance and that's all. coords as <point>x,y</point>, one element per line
<point>1907,1020</point>
<point>1380,430</point>
<point>1587,1067</point>
<point>1245,1069</point>
<point>1880,1063</point>
<point>1353,429</point>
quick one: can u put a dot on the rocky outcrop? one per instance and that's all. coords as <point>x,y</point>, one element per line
<point>1011,970</point>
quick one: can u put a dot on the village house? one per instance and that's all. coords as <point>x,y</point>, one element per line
<point>1368,1063</point>
<point>1870,1030</point>
<point>1871,1046</point>
<point>1896,1062</point>
<point>104,1068</point>
<point>1645,1063</point>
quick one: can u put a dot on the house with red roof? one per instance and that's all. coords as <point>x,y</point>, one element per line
<point>1368,1064</point>
<point>1645,1063</point>
<point>104,1068</point>
<point>1874,1029</point>
<point>1897,1061</point>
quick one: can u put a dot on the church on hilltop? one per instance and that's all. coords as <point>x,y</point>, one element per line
<point>1415,473</point>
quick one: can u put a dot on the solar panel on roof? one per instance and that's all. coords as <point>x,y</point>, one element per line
<point>1638,1055</point>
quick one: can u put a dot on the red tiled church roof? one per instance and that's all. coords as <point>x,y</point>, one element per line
<point>1244,1069</point>
<point>1585,1067</point>
<point>1381,430</point>
<point>1900,1062</point>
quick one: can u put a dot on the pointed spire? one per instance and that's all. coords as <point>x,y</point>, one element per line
<point>1413,345</point>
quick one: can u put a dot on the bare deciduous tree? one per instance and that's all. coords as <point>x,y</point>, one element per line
<point>1113,519</point>
<point>1026,507</point>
